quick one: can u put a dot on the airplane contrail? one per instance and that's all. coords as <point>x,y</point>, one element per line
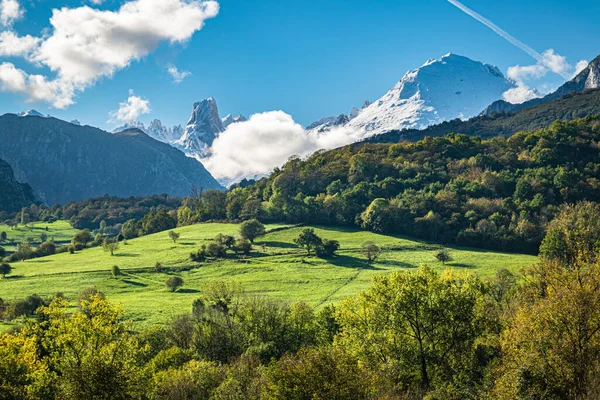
<point>510,38</point>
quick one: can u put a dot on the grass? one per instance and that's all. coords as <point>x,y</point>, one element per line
<point>277,268</point>
<point>60,231</point>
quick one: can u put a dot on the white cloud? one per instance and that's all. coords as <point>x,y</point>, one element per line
<point>177,75</point>
<point>520,94</point>
<point>86,44</point>
<point>97,2</point>
<point>266,141</point>
<point>12,45</point>
<point>520,74</point>
<point>581,65</point>
<point>10,11</point>
<point>555,62</point>
<point>130,110</point>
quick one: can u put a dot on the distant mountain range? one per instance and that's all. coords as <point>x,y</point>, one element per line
<point>63,161</point>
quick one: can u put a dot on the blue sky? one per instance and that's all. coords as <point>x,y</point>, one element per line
<point>308,58</point>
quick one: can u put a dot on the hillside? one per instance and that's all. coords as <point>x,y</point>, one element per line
<point>13,194</point>
<point>64,162</point>
<point>276,270</point>
<point>566,108</point>
<point>497,193</point>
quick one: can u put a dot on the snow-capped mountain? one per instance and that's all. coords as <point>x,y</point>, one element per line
<point>229,119</point>
<point>204,126</point>
<point>165,134</point>
<point>31,113</point>
<point>450,87</point>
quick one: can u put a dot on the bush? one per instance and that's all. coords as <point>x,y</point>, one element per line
<point>225,240</point>
<point>174,283</point>
<point>87,293</point>
<point>158,267</point>
<point>243,246</point>
<point>252,229</point>
<point>47,248</point>
<point>27,306</point>
<point>216,250</point>
<point>328,248</point>
<point>71,249</point>
<point>82,238</point>
<point>116,271</point>
<point>2,252</point>
<point>199,256</point>
<point>309,240</point>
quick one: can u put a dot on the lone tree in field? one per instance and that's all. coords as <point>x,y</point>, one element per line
<point>82,238</point>
<point>252,229</point>
<point>23,251</point>
<point>174,283</point>
<point>371,251</point>
<point>5,269</point>
<point>174,236</point>
<point>309,240</point>
<point>443,256</point>
<point>110,245</point>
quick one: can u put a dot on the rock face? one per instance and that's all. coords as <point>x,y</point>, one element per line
<point>447,88</point>
<point>589,78</point>
<point>64,162</point>
<point>13,195</point>
<point>202,128</point>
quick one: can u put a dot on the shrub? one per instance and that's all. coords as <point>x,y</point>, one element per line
<point>87,293</point>
<point>174,283</point>
<point>71,249</point>
<point>309,240</point>
<point>158,267</point>
<point>199,256</point>
<point>225,240</point>
<point>328,248</point>
<point>116,271</point>
<point>82,238</point>
<point>252,229</point>
<point>47,248</point>
<point>2,252</point>
<point>216,250</point>
<point>243,246</point>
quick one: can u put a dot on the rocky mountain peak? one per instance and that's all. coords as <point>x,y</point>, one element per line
<point>202,128</point>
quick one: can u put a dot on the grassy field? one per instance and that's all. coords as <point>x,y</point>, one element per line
<point>277,268</point>
<point>60,231</point>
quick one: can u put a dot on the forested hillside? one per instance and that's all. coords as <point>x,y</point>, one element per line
<point>566,108</point>
<point>498,193</point>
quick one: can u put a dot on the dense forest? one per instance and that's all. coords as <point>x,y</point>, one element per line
<point>417,334</point>
<point>499,193</point>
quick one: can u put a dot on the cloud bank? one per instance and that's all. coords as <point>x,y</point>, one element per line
<point>266,141</point>
<point>85,44</point>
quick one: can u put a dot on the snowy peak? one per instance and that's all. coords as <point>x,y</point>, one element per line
<point>450,87</point>
<point>202,128</point>
<point>229,119</point>
<point>165,134</point>
<point>31,113</point>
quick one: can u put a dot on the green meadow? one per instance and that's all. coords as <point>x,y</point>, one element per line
<point>59,231</point>
<point>277,268</point>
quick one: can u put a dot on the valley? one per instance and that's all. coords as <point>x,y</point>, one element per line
<point>277,268</point>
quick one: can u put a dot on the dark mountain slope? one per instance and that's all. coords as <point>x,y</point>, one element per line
<point>64,162</point>
<point>13,195</point>
<point>567,108</point>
